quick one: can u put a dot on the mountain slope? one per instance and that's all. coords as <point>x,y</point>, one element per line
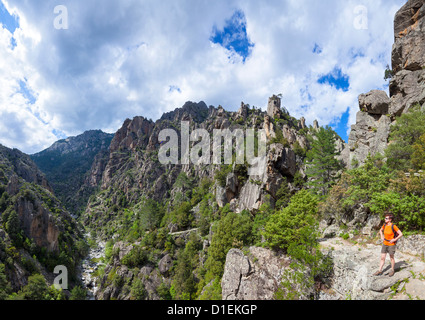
<point>66,164</point>
<point>36,232</point>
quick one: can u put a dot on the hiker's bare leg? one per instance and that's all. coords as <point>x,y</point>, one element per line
<point>392,262</point>
<point>381,266</point>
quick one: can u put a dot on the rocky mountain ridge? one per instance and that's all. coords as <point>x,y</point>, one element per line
<point>132,167</point>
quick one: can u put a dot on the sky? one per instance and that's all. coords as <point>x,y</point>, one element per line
<point>69,66</point>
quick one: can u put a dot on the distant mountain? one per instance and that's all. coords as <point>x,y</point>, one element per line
<point>66,164</point>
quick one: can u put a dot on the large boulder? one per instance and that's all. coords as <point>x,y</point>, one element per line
<point>255,276</point>
<point>165,264</point>
<point>375,102</point>
<point>368,136</point>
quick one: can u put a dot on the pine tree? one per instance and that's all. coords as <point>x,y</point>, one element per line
<point>322,165</point>
<point>13,225</point>
<point>36,289</point>
<point>5,288</point>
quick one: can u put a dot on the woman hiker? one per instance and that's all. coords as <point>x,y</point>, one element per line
<point>390,233</point>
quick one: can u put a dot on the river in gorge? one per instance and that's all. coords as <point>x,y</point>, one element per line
<point>89,265</point>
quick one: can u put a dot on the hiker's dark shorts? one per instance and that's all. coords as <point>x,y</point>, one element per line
<point>388,249</point>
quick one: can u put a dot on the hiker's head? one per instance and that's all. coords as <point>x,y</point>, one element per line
<point>389,217</point>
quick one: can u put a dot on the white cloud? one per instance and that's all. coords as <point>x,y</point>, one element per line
<point>120,59</point>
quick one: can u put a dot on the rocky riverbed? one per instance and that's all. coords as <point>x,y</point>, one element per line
<point>89,266</point>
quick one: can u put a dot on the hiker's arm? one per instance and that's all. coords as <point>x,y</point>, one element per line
<point>382,235</point>
<point>400,234</point>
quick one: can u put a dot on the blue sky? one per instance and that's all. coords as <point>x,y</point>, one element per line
<point>234,37</point>
<point>9,22</point>
<point>117,60</point>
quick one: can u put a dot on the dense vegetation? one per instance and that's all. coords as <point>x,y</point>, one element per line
<point>19,252</point>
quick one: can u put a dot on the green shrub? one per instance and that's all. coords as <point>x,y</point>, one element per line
<point>36,289</point>
<point>291,223</point>
<point>78,293</point>
<point>409,210</point>
<point>418,155</point>
<point>232,231</point>
<point>135,258</point>
<point>372,178</point>
<point>163,291</point>
<point>407,131</point>
<point>221,175</point>
<point>5,287</point>
<point>138,291</point>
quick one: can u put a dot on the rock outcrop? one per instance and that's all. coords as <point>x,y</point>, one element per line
<point>409,50</point>
<point>255,276</point>
<point>274,107</point>
<point>408,58</point>
<point>369,135</point>
<point>34,227</point>
<point>375,102</point>
<point>354,265</point>
<point>407,87</point>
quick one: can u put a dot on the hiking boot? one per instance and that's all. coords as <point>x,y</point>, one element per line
<point>377,273</point>
<point>391,273</point>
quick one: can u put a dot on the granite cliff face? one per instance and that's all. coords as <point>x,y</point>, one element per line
<point>34,226</point>
<point>407,87</point>
<point>18,173</point>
